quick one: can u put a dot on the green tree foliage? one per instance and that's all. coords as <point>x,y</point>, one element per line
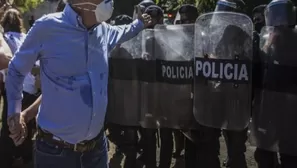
<point>26,5</point>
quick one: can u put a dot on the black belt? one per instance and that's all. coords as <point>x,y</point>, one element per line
<point>84,146</point>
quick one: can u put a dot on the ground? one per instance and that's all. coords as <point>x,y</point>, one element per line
<point>117,161</point>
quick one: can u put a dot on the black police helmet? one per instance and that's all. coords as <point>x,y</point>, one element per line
<point>146,3</point>
<point>280,13</point>
<point>122,19</point>
<point>189,10</point>
<point>230,6</point>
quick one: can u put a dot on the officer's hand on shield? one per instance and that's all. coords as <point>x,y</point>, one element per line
<point>145,18</point>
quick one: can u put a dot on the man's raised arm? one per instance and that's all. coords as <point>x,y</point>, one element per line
<point>120,34</point>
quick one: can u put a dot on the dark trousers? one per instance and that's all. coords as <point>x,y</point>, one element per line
<point>49,155</point>
<point>149,141</point>
<point>129,146</point>
<point>205,142</point>
<point>190,154</point>
<point>268,159</point>
<point>6,144</point>
<point>8,150</point>
<point>149,150</point>
<point>166,150</point>
<point>126,140</point>
<point>179,139</point>
<point>235,142</point>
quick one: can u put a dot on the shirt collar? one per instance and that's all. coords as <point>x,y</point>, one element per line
<point>73,17</point>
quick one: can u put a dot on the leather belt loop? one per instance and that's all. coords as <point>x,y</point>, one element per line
<point>75,148</point>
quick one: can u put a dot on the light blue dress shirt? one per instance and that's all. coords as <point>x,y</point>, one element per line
<point>74,72</point>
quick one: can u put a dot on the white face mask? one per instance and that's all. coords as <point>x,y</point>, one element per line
<point>103,10</point>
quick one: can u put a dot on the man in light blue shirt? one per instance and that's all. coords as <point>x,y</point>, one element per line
<point>73,48</point>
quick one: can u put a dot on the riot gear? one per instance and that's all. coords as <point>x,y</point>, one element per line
<point>230,6</point>
<point>188,14</point>
<point>223,40</point>
<point>143,5</point>
<point>274,117</point>
<point>146,3</point>
<point>280,13</point>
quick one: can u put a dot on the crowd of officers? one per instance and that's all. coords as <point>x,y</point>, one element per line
<point>201,146</point>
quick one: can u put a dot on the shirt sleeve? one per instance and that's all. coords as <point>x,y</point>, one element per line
<point>122,33</point>
<point>21,64</point>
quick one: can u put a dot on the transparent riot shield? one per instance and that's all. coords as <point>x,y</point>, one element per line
<point>274,113</point>
<point>124,85</point>
<point>167,101</point>
<point>223,70</point>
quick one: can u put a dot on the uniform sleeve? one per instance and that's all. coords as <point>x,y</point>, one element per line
<point>21,64</point>
<point>122,33</point>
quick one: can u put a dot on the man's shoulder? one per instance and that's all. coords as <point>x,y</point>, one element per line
<point>50,19</point>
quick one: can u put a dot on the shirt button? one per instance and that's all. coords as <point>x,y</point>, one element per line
<point>94,114</point>
<point>94,93</point>
<point>90,72</point>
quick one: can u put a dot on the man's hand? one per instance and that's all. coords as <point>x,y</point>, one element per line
<point>17,127</point>
<point>145,18</point>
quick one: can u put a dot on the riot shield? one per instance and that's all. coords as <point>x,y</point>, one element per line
<point>167,101</point>
<point>223,65</point>
<point>274,113</point>
<point>124,86</point>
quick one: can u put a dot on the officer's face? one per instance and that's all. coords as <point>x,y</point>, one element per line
<point>259,21</point>
<point>155,21</point>
<point>258,18</point>
<point>185,20</point>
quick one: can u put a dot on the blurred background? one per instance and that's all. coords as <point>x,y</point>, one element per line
<point>34,9</point>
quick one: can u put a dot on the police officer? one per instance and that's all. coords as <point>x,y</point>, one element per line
<point>258,17</point>
<point>149,135</point>
<point>144,137</point>
<point>282,16</point>
<point>207,141</point>
<point>235,140</point>
<point>187,15</point>
<point>124,137</point>
<point>263,158</point>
